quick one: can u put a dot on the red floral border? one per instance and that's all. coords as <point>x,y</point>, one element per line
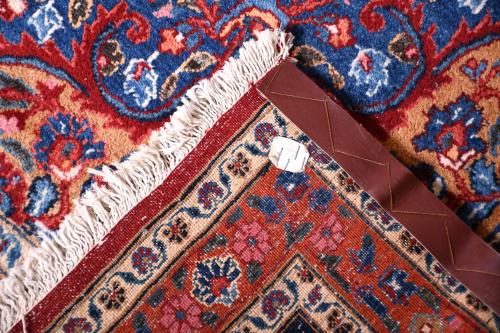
<point>130,225</point>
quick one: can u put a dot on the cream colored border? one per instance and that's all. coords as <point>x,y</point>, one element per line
<point>100,208</point>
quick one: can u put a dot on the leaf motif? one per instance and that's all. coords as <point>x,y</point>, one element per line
<point>253,149</point>
<point>308,56</point>
<point>258,322</point>
<point>344,212</point>
<point>16,149</point>
<point>323,307</point>
<point>179,278</point>
<point>296,235</point>
<point>280,120</point>
<point>338,80</point>
<point>292,286</point>
<point>483,177</point>
<point>42,195</point>
<point>330,261</point>
<point>128,277</point>
<point>191,4</point>
<point>367,241</point>
<point>429,298</point>
<point>394,227</point>
<point>155,299</point>
<point>140,323</point>
<point>12,247</point>
<point>193,211</point>
<point>168,87</point>
<point>215,242</point>
<point>79,11</point>
<point>18,92</point>
<point>197,62</point>
<point>209,318</point>
<point>303,230</point>
<point>235,216</point>
<point>253,201</point>
<point>224,179</point>
<point>94,312</point>
<point>110,57</point>
<point>254,271</point>
<point>9,82</point>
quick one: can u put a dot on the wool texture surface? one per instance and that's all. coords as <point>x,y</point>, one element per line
<point>230,243</point>
<point>85,84</point>
<point>123,185</point>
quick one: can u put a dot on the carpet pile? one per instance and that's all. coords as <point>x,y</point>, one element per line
<point>100,101</point>
<point>230,243</point>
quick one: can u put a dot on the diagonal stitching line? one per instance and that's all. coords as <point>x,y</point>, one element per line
<point>334,150</point>
<point>330,126</point>
<point>404,211</point>
<point>418,213</point>
<point>272,78</point>
<point>390,185</point>
<point>453,257</point>
<point>325,103</point>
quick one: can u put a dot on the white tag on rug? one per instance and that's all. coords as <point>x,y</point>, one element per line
<point>287,154</point>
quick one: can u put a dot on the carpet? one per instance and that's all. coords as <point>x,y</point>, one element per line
<point>231,243</point>
<point>83,84</point>
<point>121,186</point>
<point>89,85</point>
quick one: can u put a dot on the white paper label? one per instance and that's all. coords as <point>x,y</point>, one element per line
<point>287,154</point>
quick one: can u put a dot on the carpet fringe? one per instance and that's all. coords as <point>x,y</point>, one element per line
<point>130,181</point>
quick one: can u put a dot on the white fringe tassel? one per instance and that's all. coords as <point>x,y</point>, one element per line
<point>101,208</point>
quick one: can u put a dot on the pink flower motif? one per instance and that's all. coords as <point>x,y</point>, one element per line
<point>51,84</point>
<point>165,11</point>
<point>10,9</point>
<point>251,242</point>
<point>172,41</point>
<point>181,315</point>
<point>328,235</point>
<point>8,125</point>
<point>340,33</point>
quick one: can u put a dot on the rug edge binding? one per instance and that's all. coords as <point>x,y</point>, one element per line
<point>130,181</point>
